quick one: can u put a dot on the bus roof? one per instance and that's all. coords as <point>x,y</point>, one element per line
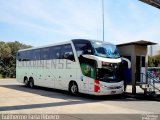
<point>91,40</point>
<point>61,43</point>
<point>45,46</point>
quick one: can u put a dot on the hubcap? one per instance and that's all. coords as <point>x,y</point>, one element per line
<point>74,88</point>
<point>26,82</point>
<point>31,84</point>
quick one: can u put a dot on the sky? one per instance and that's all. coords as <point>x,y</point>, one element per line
<point>43,22</point>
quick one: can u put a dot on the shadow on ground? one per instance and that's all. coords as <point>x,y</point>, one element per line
<point>54,93</point>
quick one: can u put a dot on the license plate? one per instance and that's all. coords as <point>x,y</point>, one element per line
<point>113,92</point>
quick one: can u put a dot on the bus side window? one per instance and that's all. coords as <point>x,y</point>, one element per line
<point>29,55</point>
<point>36,54</point>
<point>18,56</point>
<point>67,52</point>
<point>55,52</point>
<point>23,56</point>
<point>45,54</point>
<point>83,48</point>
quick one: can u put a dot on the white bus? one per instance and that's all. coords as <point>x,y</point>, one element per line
<point>79,66</point>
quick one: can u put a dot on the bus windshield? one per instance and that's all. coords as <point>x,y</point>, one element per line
<point>110,73</point>
<point>105,50</point>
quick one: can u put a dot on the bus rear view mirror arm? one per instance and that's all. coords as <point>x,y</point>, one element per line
<point>128,61</point>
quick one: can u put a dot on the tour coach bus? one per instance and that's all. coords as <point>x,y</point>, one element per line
<point>84,66</point>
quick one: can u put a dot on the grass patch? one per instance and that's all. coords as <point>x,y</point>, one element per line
<point>1,76</point>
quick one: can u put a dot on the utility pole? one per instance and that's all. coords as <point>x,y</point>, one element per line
<point>103,17</point>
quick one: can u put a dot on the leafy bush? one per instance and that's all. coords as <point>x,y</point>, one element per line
<point>8,52</point>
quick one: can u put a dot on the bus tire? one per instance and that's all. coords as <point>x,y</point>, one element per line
<point>31,83</point>
<point>73,88</point>
<point>26,83</point>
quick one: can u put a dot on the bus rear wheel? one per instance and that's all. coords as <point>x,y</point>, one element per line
<point>31,83</point>
<point>26,81</point>
<point>73,88</point>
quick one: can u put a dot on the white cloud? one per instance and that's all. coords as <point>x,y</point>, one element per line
<point>80,19</point>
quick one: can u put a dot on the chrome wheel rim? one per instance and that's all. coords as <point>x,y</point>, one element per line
<point>74,89</point>
<point>31,84</point>
<point>26,82</point>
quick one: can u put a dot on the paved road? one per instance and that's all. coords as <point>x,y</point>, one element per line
<point>16,98</point>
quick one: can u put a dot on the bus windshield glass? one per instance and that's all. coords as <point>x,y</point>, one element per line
<point>110,73</point>
<point>105,50</point>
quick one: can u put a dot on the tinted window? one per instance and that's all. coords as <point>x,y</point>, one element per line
<point>67,52</point>
<point>55,52</point>
<point>25,55</point>
<point>105,50</point>
<point>45,54</point>
<point>36,54</point>
<point>29,55</point>
<point>83,48</point>
<point>18,56</point>
<point>22,56</point>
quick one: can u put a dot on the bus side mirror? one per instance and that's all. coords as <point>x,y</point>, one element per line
<point>66,55</point>
<point>69,56</point>
<point>89,52</point>
<point>128,61</point>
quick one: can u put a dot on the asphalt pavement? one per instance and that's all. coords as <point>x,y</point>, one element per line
<point>15,98</point>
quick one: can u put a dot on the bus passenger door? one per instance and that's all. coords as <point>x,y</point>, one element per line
<point>88,72</point>
<point>84,83</point>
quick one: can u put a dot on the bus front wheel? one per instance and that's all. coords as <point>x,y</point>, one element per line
<point>73,88</point>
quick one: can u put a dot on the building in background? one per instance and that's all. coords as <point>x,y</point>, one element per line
<point>154,50</point>
<point>136,52</point>
<point>154,3</point>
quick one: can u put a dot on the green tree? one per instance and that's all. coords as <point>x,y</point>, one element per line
<point>5,50</point>
<point>8,57</point>
<point>150,64</point>
<point>154,61</point>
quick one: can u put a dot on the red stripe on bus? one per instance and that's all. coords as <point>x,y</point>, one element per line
<point>96,86</point>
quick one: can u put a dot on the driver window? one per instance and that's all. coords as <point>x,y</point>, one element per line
<point>83,48</point>
<point>68,52</point>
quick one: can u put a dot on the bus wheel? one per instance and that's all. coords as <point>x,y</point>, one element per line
<point>31,83</point>
<point>26,81</point>
<point>73,89</point>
